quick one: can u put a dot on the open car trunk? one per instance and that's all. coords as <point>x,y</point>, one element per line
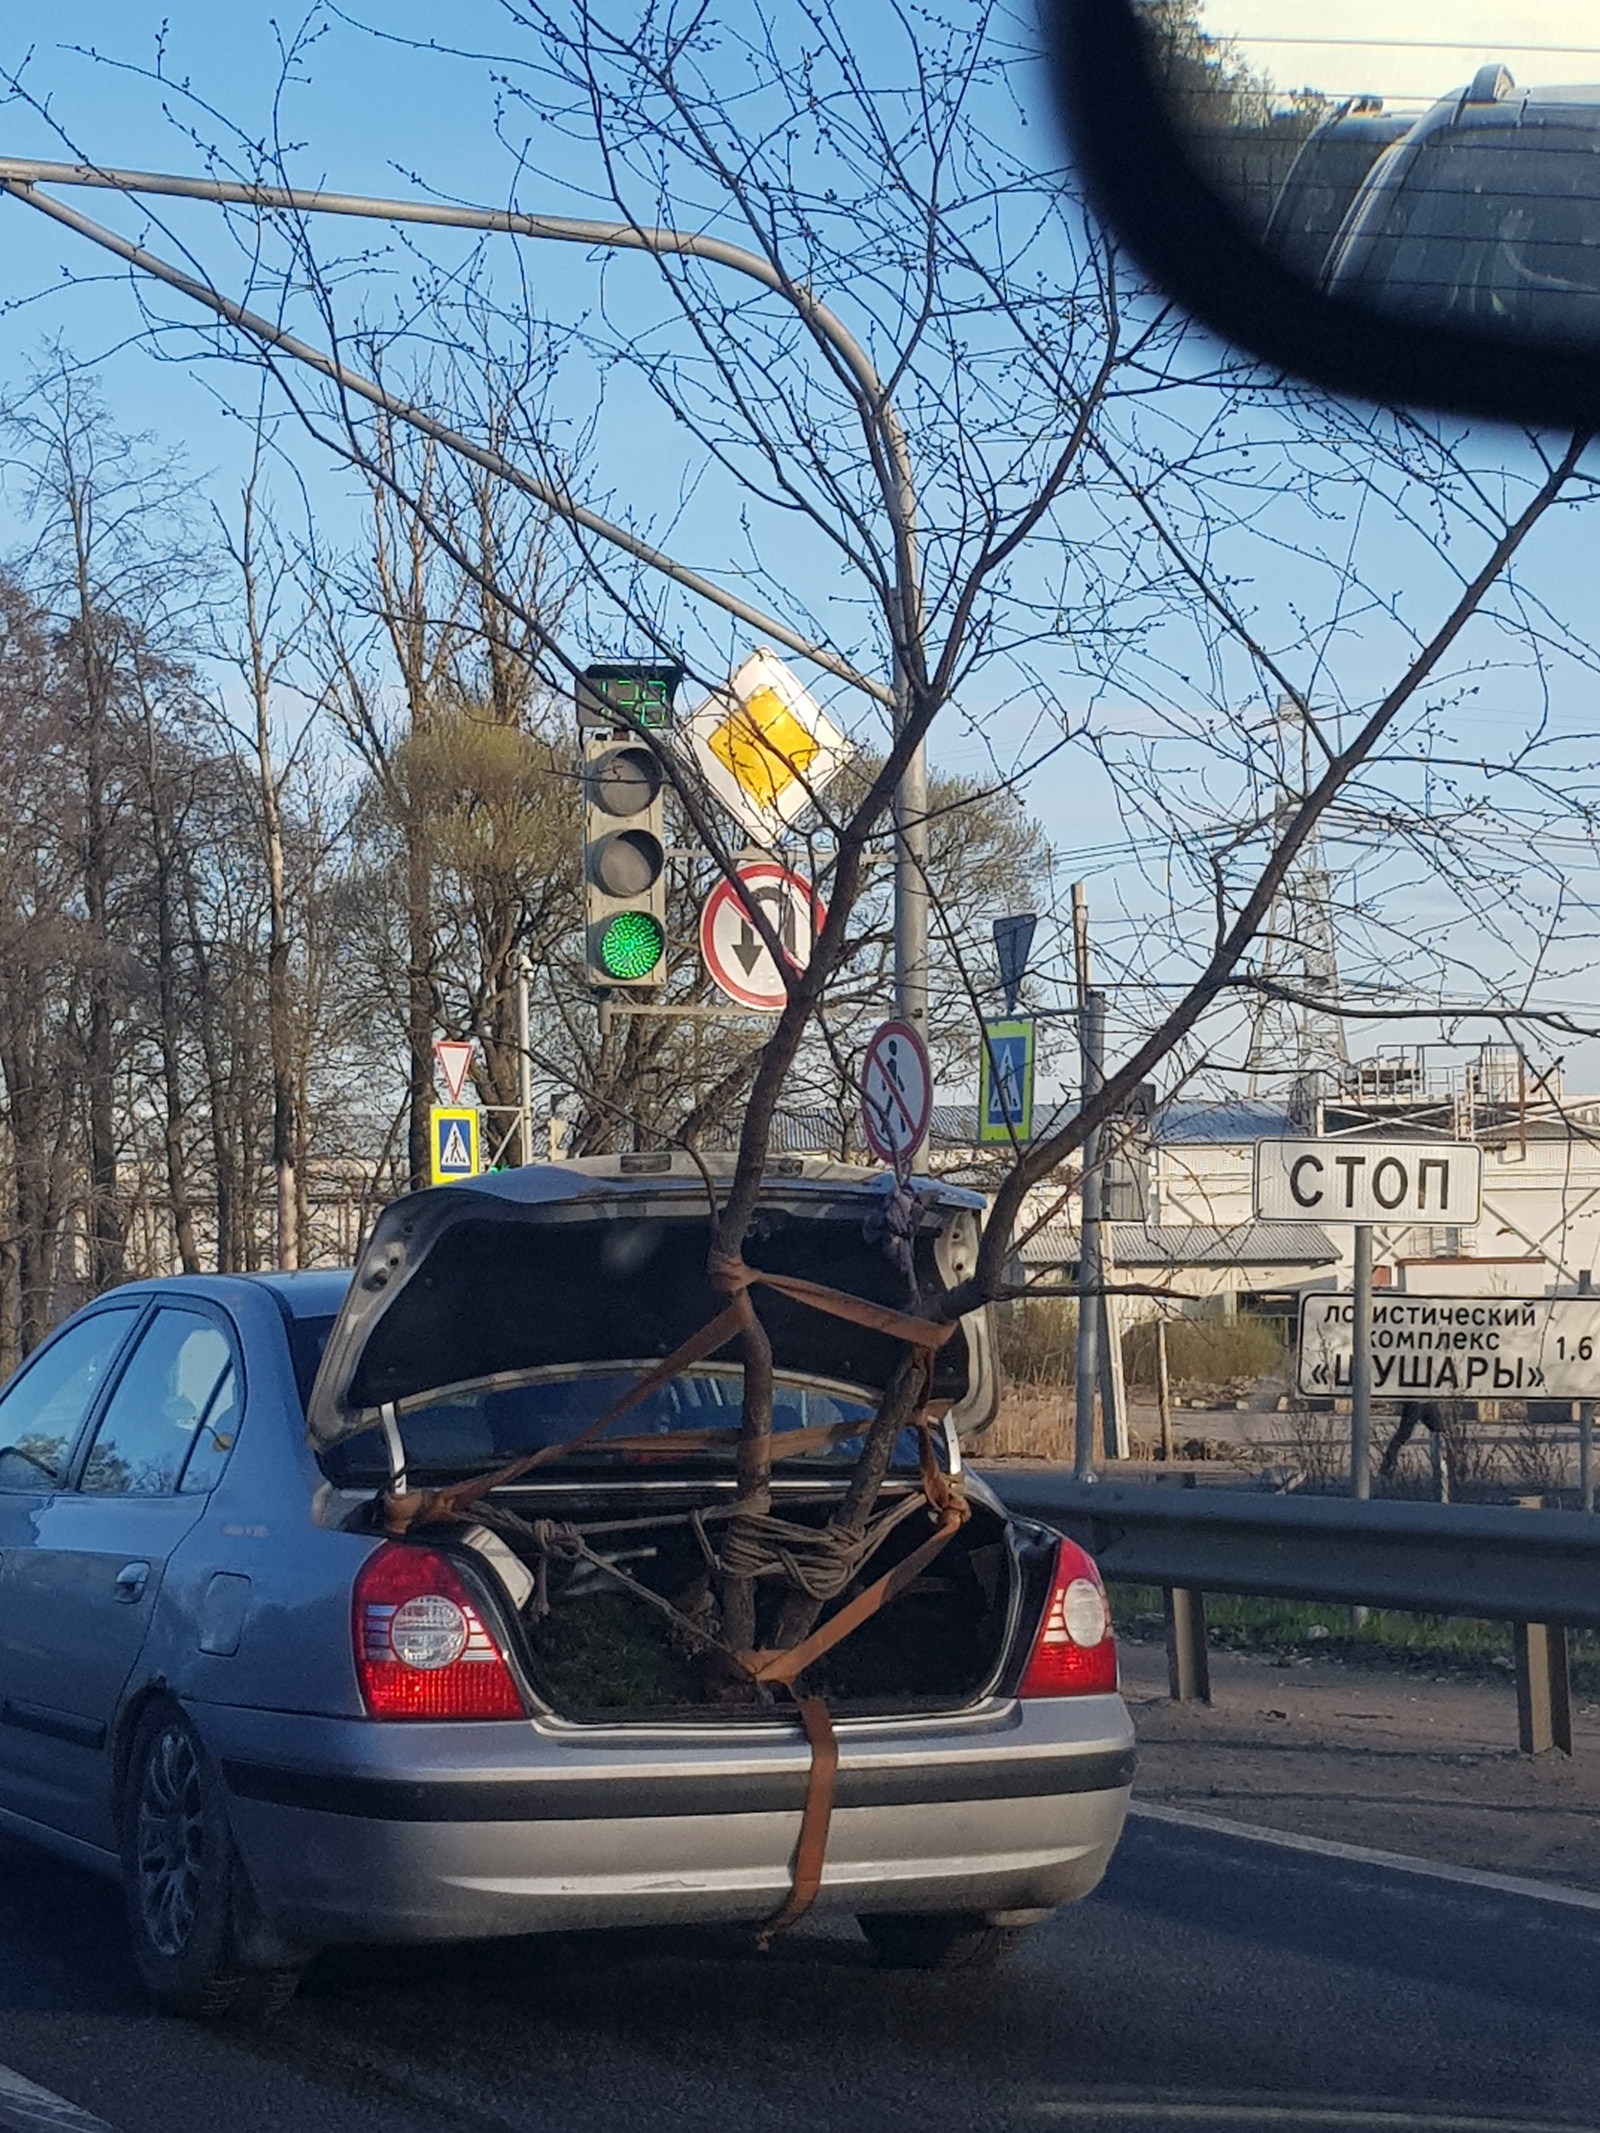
<point>594,1650</point>
<point>507,1318</point>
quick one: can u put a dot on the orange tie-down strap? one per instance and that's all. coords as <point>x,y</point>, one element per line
<point>811,1848</point>
<point>427,1506</point>
<point>776,1668</point>
<point>783,1668</point>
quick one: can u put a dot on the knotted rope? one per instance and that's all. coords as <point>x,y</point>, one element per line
<point>821,1562</point>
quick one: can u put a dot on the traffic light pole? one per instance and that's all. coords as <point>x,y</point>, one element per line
<point>524,1059</point>
<point>21,178</point>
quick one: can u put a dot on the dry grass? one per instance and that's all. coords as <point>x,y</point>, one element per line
<point>1203,1352</point>
<point>1318,1444</point>
<point>1034,1422</point>
<point>1038,1338</point>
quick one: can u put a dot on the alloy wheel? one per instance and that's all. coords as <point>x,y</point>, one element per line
<point>169,1840</point>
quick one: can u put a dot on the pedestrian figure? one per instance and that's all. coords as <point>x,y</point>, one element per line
<point>1426,1414</point>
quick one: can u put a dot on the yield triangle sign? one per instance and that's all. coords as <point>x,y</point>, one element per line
<point>454,1055</point>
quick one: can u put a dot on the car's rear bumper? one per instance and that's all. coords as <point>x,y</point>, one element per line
<point>354,1830</point>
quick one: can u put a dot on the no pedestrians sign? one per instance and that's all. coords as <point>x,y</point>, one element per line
<point>896,1093</point>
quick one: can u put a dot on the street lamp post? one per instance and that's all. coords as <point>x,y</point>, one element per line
<point>22,178</point>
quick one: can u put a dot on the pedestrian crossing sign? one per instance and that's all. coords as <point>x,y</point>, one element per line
<point>1005,1101</point>
<point>453,1143</point>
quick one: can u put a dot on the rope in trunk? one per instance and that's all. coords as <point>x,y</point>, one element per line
<point>822,1563</point>
<point>819,1561</point>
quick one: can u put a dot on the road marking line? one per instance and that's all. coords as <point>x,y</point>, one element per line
<point>1469,1877</point>
<point>26,2108</point>
<point>1377,2118</point>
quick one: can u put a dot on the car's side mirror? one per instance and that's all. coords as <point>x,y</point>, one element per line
<point>1438,250</point>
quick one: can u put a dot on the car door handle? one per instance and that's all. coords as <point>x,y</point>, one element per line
<point>130,1581</point>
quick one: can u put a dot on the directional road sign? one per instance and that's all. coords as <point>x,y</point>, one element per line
<point>896,1093</point>
<point>735,954</point>
<point>765,746</point>
<point>1005,1082</point>
<point>1368,1181</point>
<point>453,1143</point>
<point>1457,1347</point>
<point>454,1055</point>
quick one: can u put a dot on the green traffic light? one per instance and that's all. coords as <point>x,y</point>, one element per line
<point>631,945</point>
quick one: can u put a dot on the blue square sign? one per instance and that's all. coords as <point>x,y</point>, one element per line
<point>452,1143</point>
<point>1005,1105</point>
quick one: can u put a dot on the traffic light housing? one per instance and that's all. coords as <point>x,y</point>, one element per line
<point>628,694</point>
<point>624,863</point>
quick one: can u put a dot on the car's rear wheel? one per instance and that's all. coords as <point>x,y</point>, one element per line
<point>184,1886</point>
<point>935,1940</point>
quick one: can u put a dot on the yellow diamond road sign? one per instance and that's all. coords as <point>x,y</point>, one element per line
<point>765,745</point>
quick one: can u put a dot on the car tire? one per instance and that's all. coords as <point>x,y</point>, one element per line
<point>188,1903</point>
<point>935,1940</point>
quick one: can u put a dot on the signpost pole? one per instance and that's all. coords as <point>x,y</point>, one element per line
<point>1091,1271</point>
<point>1361,1368</point>
<point>1585,1426</point>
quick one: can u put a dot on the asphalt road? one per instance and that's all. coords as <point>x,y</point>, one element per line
<point>1211,1983</point>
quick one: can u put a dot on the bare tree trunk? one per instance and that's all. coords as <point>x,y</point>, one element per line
<point>100,1057</point>
<point>32,1226</point>
<point>419,993</point>
<point>169,1012</point>
<point>280,1006</point>
<point>218,1104</point>
<point>171,1025</point>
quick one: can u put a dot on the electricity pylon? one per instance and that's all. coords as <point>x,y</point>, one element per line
<point>1300,1039</point>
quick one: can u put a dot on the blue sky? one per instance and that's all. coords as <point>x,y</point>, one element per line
<point>368,115</point>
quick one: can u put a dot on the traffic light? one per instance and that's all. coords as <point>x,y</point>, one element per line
<point>624,863</point>
<point>624,850</point>
<point>628,695</point>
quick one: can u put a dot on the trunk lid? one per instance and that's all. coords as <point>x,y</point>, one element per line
<point>602,1263</point>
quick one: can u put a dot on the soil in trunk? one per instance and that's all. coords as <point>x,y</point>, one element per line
<point>597,1651</point>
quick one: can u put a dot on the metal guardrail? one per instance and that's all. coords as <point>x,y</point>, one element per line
<point>1538,1570</point>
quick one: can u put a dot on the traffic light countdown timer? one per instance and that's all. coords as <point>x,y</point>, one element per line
<point>624,847</point>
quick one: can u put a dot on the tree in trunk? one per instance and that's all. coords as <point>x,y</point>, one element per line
<point>1000,480</point>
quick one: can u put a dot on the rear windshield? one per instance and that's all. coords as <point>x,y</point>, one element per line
<point>472,1432</point>
<point>1496,232</point>
<point>307,1339</point>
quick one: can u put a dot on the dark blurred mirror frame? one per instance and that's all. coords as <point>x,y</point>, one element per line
<point>1144,187</point>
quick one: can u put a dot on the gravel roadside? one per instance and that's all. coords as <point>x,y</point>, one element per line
<point>1394,1761</point>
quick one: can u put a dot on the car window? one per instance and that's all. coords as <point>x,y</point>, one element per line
<point>172,1381</point>
<point>214,1438</point>
<point>1487,230</point>
<point>472,1431</point>
<point>42,1409</point>
<point>308,1337</point>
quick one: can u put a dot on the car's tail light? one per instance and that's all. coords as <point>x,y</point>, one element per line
<point>421,1647</point>
<point>1074,1653</point>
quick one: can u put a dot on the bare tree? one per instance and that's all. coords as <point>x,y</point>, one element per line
<point>1029,484</point>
